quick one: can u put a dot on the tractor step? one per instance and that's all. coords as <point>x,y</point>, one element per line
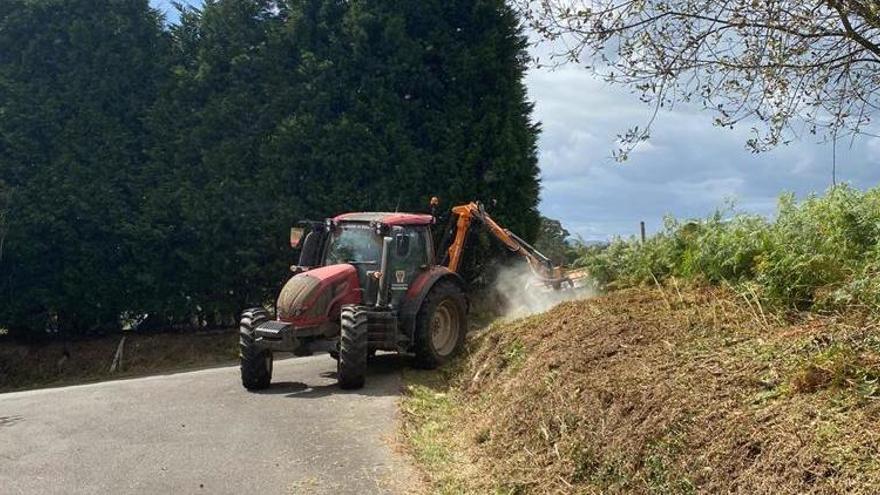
<point>273,329</point>
<point>276,335</point>
<point>383,330</point>
<point>281,336</point>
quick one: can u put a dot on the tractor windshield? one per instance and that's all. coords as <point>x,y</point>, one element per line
<point>354,243</point>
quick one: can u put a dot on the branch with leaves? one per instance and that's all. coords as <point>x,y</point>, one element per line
<point>786,68</point>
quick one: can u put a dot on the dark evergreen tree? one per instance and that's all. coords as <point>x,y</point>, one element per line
<point>152,172</point>
<point>209,208</point>
<point>76,79</point>
<point>412,99</point>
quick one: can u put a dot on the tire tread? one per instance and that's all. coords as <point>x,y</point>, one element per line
<point>353,339</point>
<point>254,375</point>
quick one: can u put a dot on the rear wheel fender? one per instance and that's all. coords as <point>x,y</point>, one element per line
<point>441,325</point>
<point>418,291</point>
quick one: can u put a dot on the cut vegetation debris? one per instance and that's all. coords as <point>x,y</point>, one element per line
<point>655,391</point>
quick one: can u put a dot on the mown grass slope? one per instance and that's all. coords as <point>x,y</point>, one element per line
<point>655,391</point>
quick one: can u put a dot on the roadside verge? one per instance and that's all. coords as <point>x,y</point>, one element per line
<point>25,366</point>
<point>654,391</point>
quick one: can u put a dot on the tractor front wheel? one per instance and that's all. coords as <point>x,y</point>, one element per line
<point>351,367</point>
<point>256,363</point>
<point>441,325</point>
<point>371,353</point>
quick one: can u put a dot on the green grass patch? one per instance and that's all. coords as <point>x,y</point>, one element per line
<point>514,355</point>
<point>840,366</point>
<point>428,407</point>
<point>661,478</point>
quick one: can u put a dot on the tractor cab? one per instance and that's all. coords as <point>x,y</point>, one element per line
<point>359,239</point>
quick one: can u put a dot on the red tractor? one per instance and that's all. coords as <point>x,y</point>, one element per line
<point>370,282</point>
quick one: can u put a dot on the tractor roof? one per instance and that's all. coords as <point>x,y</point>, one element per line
<point>387,218</point>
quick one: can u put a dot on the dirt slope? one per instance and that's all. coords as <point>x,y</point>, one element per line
<point>650,391</point>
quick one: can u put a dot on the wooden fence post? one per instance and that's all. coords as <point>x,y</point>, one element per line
<point>116,365</point>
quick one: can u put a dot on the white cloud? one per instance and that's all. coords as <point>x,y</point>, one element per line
<point>688,168</point>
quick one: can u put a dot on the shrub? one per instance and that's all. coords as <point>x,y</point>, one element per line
<point>820,253</point>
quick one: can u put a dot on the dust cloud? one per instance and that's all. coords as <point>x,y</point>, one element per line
<point>519,295</point>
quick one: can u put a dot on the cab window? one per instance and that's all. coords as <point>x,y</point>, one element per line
<point>354,243</point>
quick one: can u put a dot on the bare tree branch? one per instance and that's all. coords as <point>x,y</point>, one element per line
<point>777,61</point>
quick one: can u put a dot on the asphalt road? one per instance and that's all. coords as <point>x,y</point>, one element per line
<point>200,432</point>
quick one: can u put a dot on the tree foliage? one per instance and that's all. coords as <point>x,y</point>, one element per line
<point>154,170</point>
<point>793,67</point>
<point>76,80</point>
<point>554,241</point>
<point>820,253</point>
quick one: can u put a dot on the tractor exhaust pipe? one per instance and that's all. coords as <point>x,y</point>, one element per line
<point>382,296</point>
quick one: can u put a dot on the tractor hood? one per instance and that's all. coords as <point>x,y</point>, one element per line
<point>316,296</point>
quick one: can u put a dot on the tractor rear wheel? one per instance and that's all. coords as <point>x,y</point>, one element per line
<point>256,363</point>
<point>351,368</point>
<point>441,325</point>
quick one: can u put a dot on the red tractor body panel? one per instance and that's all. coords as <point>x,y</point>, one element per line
<point>312,298</point>
<point>424,280</point>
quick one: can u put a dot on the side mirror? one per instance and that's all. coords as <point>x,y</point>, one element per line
<point>296,236</point>
<point>401,243</point>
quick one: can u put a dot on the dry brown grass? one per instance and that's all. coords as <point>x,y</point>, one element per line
<point>672,390</point>
<point>54,364</point>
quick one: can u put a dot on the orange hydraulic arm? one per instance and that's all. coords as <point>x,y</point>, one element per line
<point>540,265</point>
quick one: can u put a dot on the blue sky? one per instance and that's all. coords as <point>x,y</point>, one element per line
<point>688,168</point>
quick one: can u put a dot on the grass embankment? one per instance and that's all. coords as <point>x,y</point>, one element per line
<point>55,364</point>
<point>655,391</point>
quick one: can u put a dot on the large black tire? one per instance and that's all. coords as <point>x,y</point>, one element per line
<point>256,363</point>
<point>445,306</point>
<point>351,368</point>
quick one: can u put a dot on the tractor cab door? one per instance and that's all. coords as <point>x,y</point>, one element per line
<point>310,238</point>
<point>310,256</point>
<point>410,256</point>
